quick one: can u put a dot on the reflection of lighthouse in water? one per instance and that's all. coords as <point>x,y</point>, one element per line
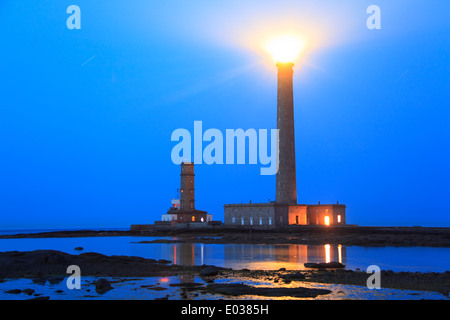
<point>289,256</point>
<point>187,254</point>
<point>254,256</point>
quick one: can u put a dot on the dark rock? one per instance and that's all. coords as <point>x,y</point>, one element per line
<point>55,280</point>
<point>79,248</point>
<point>209,271</point>
<point>102,285</point>
<point>243,289</point>
<point>28,291</point>
<point>14,291</point>
<point>324,265</point>
<point>164,261</point>
<point>41,281</point>
<point>186,285</point>
<point>282,269</point>
<point>40,298</point>
<point>157,288</point>
<point>59,291</point>
<point>49,257</point>
<point>293,276</point>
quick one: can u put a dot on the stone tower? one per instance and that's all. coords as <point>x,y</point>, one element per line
<point>286,185</point>
<point>187,189</point>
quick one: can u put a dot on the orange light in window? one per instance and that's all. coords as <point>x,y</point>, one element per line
<point>327,220</point>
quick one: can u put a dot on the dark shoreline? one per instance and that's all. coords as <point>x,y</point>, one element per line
<point>348,235</point>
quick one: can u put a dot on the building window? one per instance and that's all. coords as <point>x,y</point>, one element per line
<point>327,220</point>
<point>201,219</point>
<point>251,221</point>
<point>270,221</point>
<point>242,221</point>
<point>260,221</point>
<point>193,218</point>
<point>233,220</point>
<point>339,218</point>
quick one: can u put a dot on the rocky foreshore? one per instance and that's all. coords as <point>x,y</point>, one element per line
<point>346,235</point>
<point>50,265</point>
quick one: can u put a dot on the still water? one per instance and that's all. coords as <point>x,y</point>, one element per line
<point>250,256</point>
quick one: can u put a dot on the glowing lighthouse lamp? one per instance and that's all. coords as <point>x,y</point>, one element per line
<point>285,49</point>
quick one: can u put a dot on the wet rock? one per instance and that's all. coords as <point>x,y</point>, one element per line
<point>14,291</point>
<point>293,276</point>
<point>28,291</point>
<point>209,271</point>
<point>102,285</point>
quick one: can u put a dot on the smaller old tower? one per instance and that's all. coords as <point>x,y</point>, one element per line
<point>187,189</point>
<point>183,209</point>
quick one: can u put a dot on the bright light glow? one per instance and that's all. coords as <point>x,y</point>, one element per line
<point>285,49</point>
<point>327,253</point>
<point>327,220</point>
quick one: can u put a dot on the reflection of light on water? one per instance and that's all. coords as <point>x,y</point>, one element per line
<point>201,254</point>
<point>340,253</point>
<point>164,280</point>
<point>327,253</point>
<point>174,254</point>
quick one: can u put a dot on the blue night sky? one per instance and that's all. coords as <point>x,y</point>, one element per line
<point>86,116</point>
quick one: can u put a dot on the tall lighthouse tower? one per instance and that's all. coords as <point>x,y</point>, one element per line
<point>286,185</point>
